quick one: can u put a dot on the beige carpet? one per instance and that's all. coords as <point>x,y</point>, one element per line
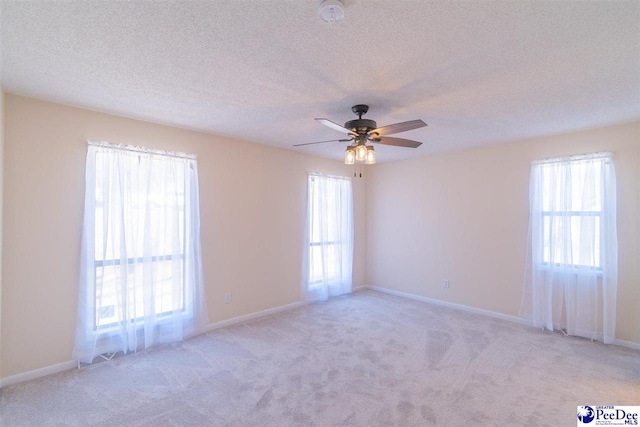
<point>367,359</point>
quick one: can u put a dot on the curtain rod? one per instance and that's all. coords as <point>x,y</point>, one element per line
<point>142,150</point>
<point>324,175</point>
<point>601,155</point>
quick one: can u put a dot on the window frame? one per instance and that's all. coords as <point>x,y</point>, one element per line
<point>111,262</point>
<point>317,284</point>
<point>575,214</point>
<point>596,267</point>
<point>185,307</point>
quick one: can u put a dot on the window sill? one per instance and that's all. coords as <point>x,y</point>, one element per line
<point>565,269</point>
<point>138,323</point>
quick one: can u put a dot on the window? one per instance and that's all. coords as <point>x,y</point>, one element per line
<point>572,209</point>
<point>329,247</point>
<point>157,203</point>
<point>141,274</point>
<point>572,262</point>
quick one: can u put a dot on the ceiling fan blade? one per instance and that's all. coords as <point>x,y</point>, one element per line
<point>397,142</point>
<point>322,142</point>
<point>336,126</point>
<point>397,128</point>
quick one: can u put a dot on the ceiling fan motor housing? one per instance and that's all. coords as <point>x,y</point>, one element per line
<point>361,125</point>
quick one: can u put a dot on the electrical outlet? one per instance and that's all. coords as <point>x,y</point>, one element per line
<point>227,298</point>
<point>445,283</point>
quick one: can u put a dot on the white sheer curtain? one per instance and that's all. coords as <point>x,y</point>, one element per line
<point>572,261</point>
<point>140,273</point>
<point>328,247</point>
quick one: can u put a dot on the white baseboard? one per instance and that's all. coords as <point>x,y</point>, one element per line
<point>628,344</point>
<point>37,373</point>
<point>467,308</point>
<point>509,318</point>
<point>71,364</point>
<point>234,320</point>
<point>262,313</point>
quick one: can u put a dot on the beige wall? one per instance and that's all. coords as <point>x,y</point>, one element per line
<point>460,216</point>
<point>463,216</point>
<point>1,176</point>
<point>252,205</point>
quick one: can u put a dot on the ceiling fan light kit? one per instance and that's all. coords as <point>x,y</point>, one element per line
<point>361,152</point>
<point>371,156</point>
<point>362,131</point>
<point>350,156</point>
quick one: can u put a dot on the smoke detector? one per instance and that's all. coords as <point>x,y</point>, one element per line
<point>331,10</point>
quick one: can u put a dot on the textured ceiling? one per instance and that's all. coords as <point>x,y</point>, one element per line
<point>476,72</point>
